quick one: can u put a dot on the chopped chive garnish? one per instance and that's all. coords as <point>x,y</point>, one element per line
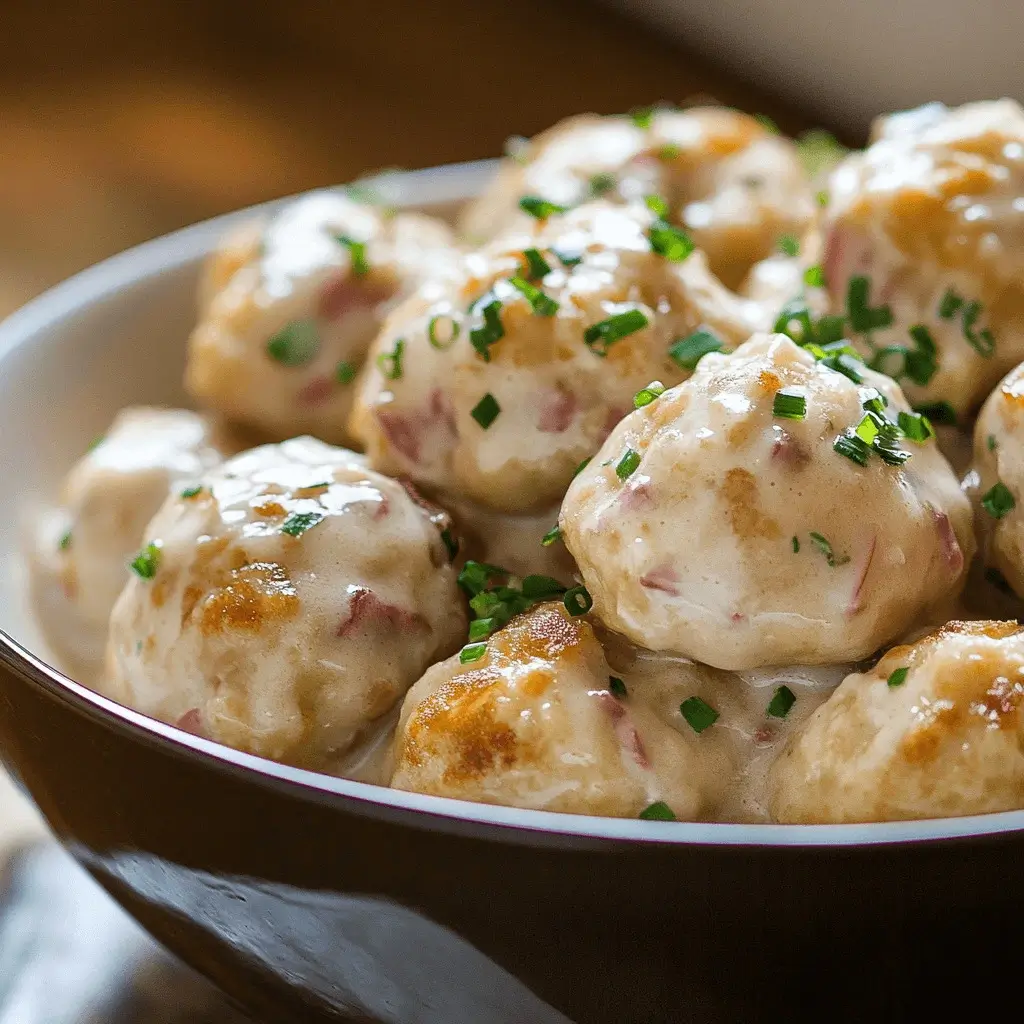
<point>549,538</point>
<point>981,341</point>
<point>872,400</point>
<point>65,541</point>
<point>617,687</point>
<point>891,360</point>
<point>295,344</point>
<point>698,713</point>
<point>480,629</point>
<point>897,678</point>
<point>642,117</point>
<point>998,501</point>
<point>688,352</point>
<point>601,336</point>
<point>796,545</point>
<point>390,363</point>
<point>789,245</point>
<point>848,365</point>
<point>867,430</point>
<point>356,253</point>
<point>819,150</point>
<point>626,466</point>
<point>670,242</point>
<point>669,151</point>
<point>569,258</point>
<point>299,522</point>
<point>789,404</point>
<point>486,411</point>
<point>582,466</point>
<point>648,394</point>
<point>766,123</point>
<point>658,811</point>
<point>889,451</point>
<point>451,544</point>
<point>543,305</point>
<point>865,318</point>
<point>539,208</point>
<point>938,412</point>
<point>345,373</point>
<point>656,205</point>
<point>492,330</point>
<point>443,331</point>
<point>147,561</point>
<point>822,197</point>
<point>472,652</point>
<point>540,588</point>
<point>601,183</point>
<point>826,549</point>
<point>917,427</point>
<point>191,492</point>
<point>990,442</point>
<point>814,276</point>
<point>537,268</point>
<point>782,701</point>
<point>949,304</point>
<point>95,443</point>
<point>476,575</point>
<point>578,601</point>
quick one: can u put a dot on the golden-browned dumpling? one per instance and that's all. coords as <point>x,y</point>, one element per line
<point>933,730</point>
<point>925,249</point>
<point>529,719</point>
<point>500,405</point>
<point>286,605</point>
<point>743,520</point>
<point>733,185</point>
<point>79,554</point>
<point>288,310</point>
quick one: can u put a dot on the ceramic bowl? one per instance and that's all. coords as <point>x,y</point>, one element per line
<point>313,898</point>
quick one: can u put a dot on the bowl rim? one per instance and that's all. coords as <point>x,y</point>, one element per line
<point>431,186</point>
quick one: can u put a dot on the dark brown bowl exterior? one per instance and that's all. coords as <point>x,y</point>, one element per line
<point>307,904</point>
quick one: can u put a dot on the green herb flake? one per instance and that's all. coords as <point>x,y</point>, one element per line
<point>656,205</point>
<point>852,447</point>
<point>486,411</point>
<point>390,363</point>
<point>819,150</point>
<point>617,687</point>
<point>539,208</point>
<point>578,601</point>
<point>789,404</point>
<point>147,561</point>
<point>65,541</point>
<point>602,183</point>
<point>626,466</point>
<point>569,258</point>
<point>642,117</point>
<point>543,305</point>
<point>646,395</point>
<point>897,678</point>
<point>475,576</point>
<point>917,428</point>
<point>688,352</point>
<point>669,151</point>
<point>668,241</point>
<point>549,538</point>
<point>864,317</point>
<point>541,588</point>
<point>298,523</point>
<point>767,123</point>
<point>491,331</point>
<point>192,492</point>
<point>990,442</point>
<point>658,811</point>
<point>814,276</point>
<point>981,341</point>
<point>295,344</point>
<point>938,412</point>
<point>345,372</point>
<point>356,254</point>
<point>789,245</point>
<point>698,713</point>
<point>998,501</point>
<point>537,268</point>
<point>472,652</point>
<point>781,703</point>
<point>443,331</point>
<point>796,545</point>
<point>949,304</point>
<point>601,336</point>
<point>826,549</point>
<point>821,197</point>
<point>95,443</point>
<point>582,466</point>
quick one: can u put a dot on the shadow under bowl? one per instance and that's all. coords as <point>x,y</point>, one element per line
<point>312,898</point>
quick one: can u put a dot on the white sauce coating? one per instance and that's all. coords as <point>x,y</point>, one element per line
<point>79,552</point>
<point>734,186</point>
<point>288,310</point>
<point>942,737</point>
<point>935,207</point>
<point>694,526</point>
<point>557,396</point>
<point>286,606</point>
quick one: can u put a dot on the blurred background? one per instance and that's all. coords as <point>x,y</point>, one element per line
<point>123,119</point>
